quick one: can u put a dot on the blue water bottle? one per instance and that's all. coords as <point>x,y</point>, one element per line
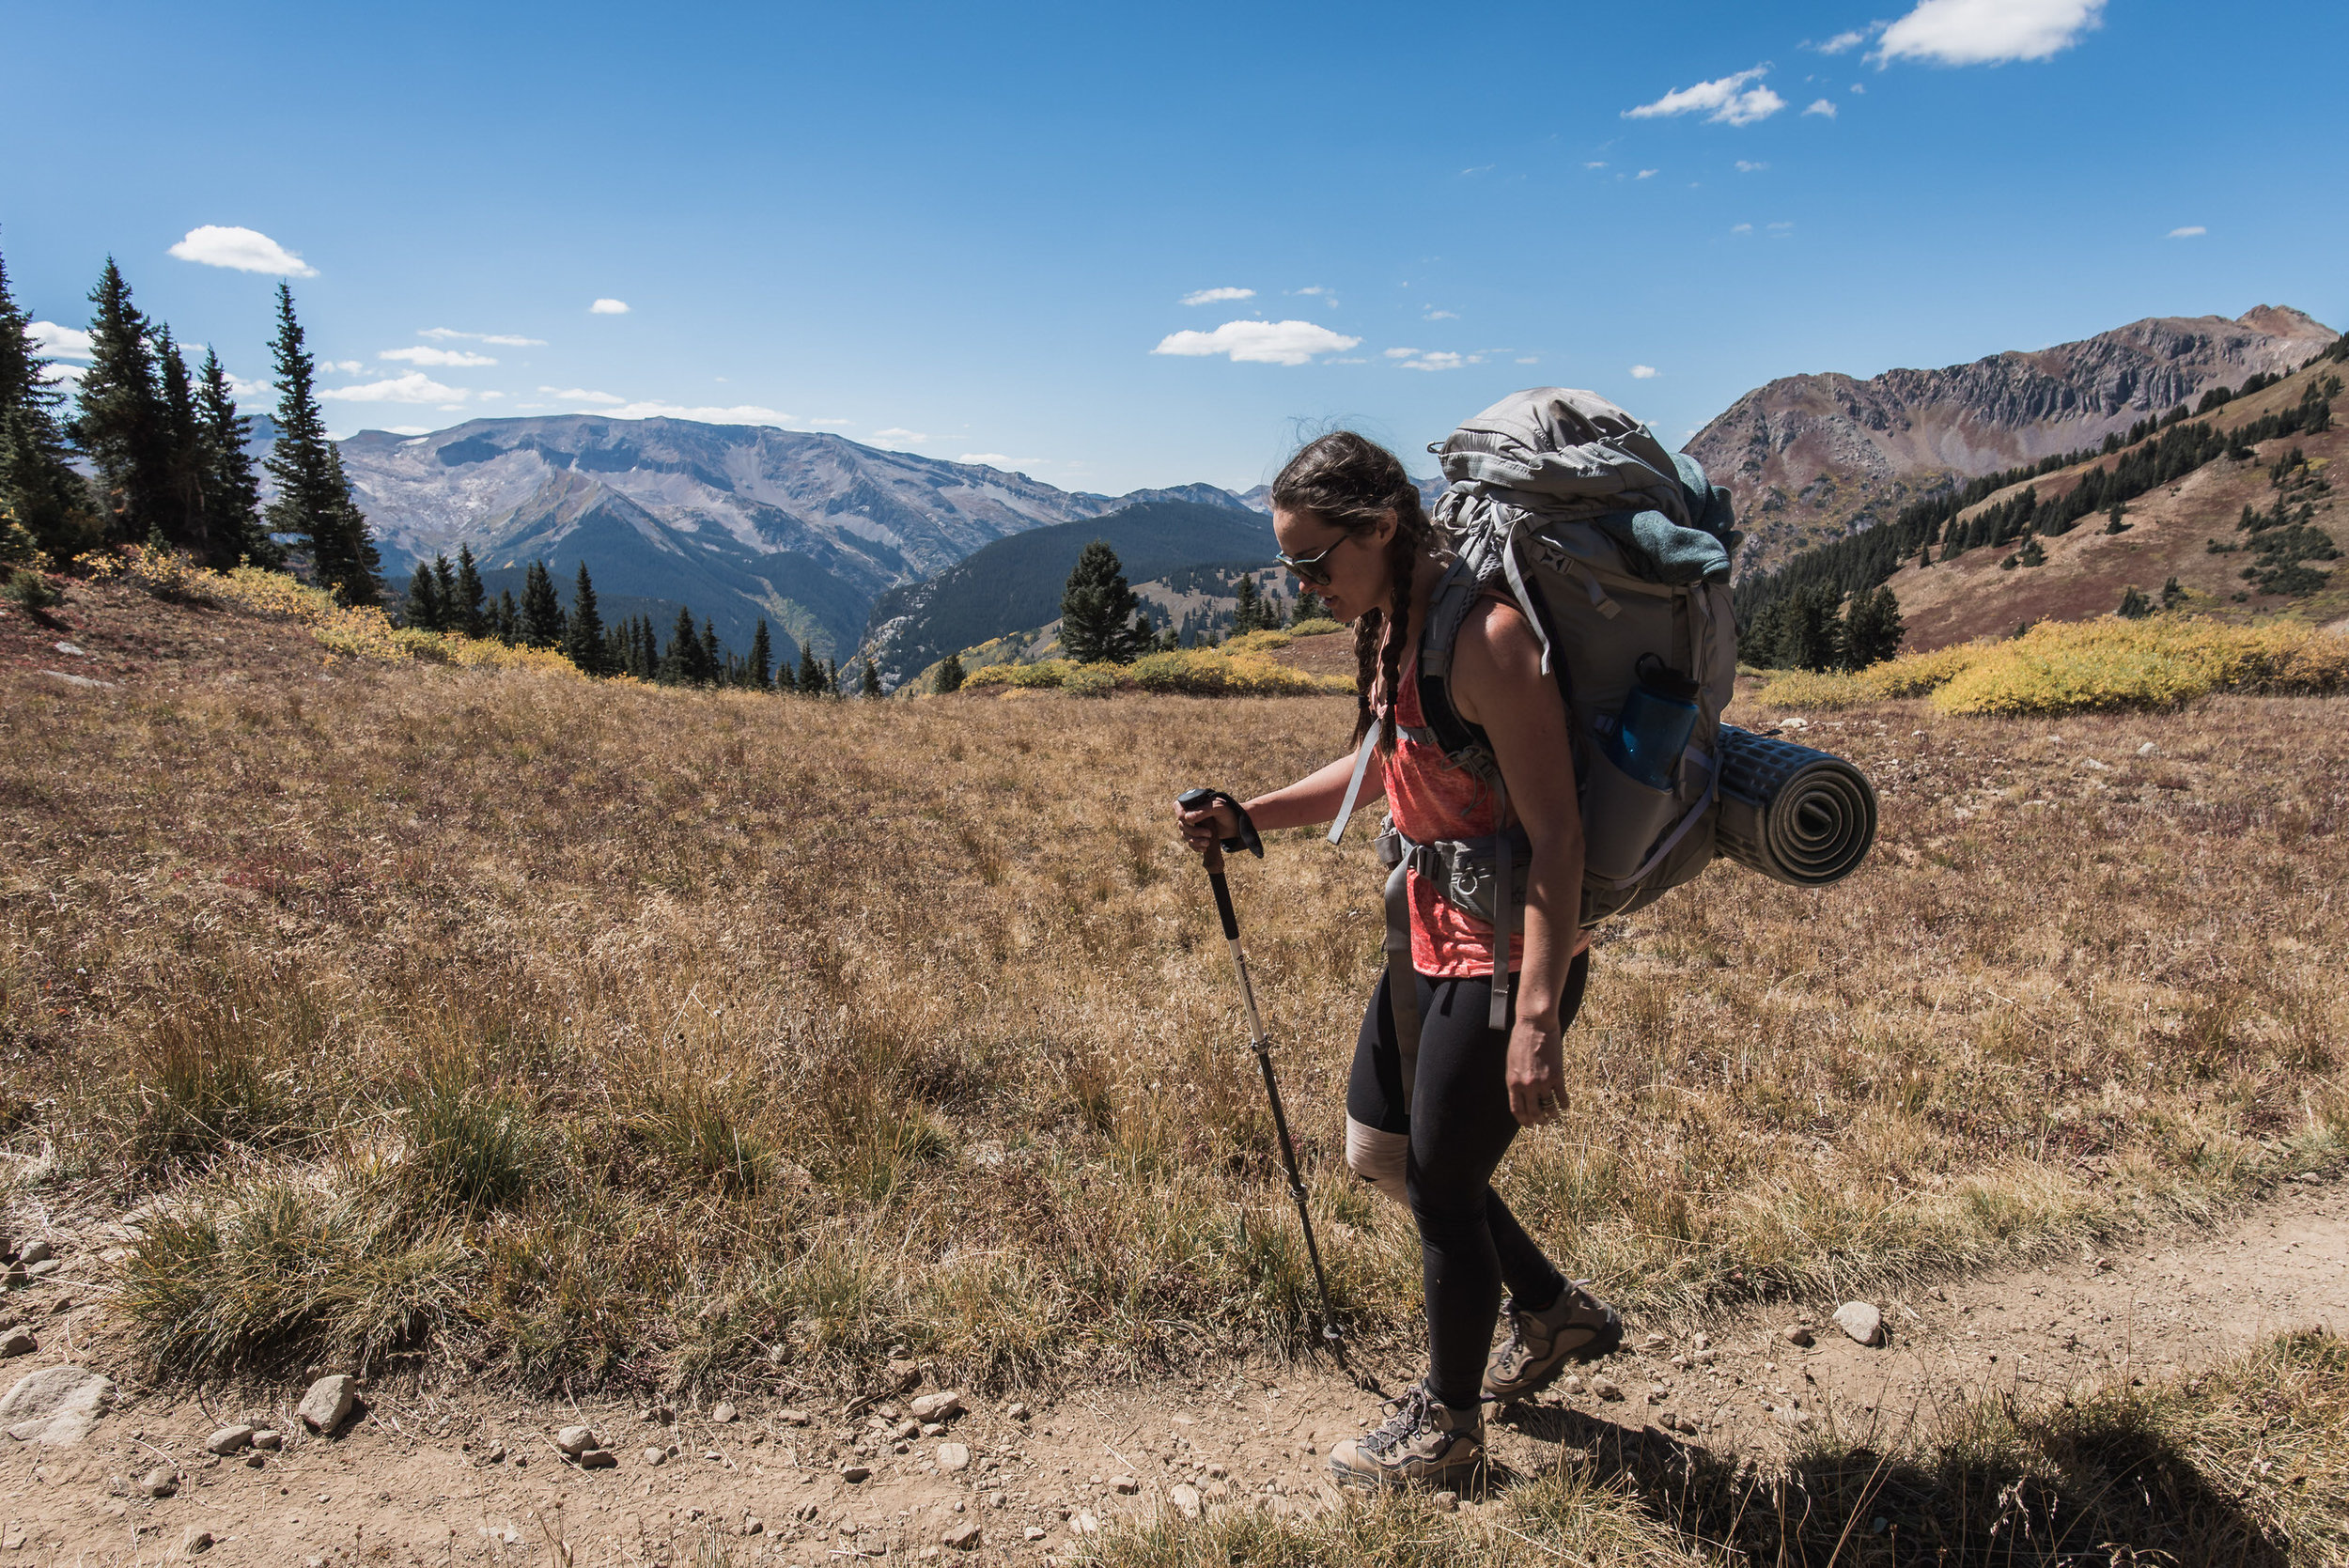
<point>1658,718</point>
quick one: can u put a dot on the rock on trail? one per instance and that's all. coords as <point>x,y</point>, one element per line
<point>57,1404</point>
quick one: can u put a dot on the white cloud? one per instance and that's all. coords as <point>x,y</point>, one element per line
<point>1781,228</point>
<point>1861,90</point>
<point>1745,167</point>
<point>1644,174</point>
<point>1528,359</point>
<point>1346,359</point>
<point>1400,353</point>
<point>1599,164</point>
<point>1259,342</point>
<point>1441,316</point>
<point>250,392</point>
<point>581,394</point>
<point>1214,296</point>
<point>459,359</point>
<point>992,459</point>
<point>65,374</point>
<point>484,396</point>
<point>347,367</point>
<point>52,341</point>
<point>1987,32</point>
<point>1852,40</point>
<point>1481,169</point>
<point>896,433</point>
<point>244,250</point>
<point>414,387</point>
<point>1317,288</point>
<point>1741,229</point>
<point>1440,360</point>
<point>608,308</point>
<point>832,422</point>
<point>1725,101</point>
<point>505,340</point>
<point>2189,232</point>
<point>1643,372</point>
<point>1821,106</point>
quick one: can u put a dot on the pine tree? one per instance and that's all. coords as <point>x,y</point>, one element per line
<point>2031,554</point>
<point>424,599</point>
<point>712,666</point>
<point>38,485</point>
<point>313,494</point>
<point>1250,607</point>
<point>1097,609</point>
<point>119,422</point>
<point>620,648</point>
<point>542,612</point>
<point>683,654</point>
<point>759,672</point>
<point>508,620</point>
<point>2172,594</point>
<point>1309,606</point>
<point>2135,606</point>
<point>647,649</point>
<point>869,686</point>
<point>583,632</point>
<point>811,672</point>
<point>1872,628</point>
<point>465,610</point>
<point>183,523</point>
<point>949,673</point>
<point>232,496</point>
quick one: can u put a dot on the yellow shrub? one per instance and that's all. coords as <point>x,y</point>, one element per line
<point>1091,681</point>
<point>1220,671</point>
<point>2072,666</point>
<point>1257,642</point>
<point>1809,688</point>
<point>1320,625</point>
<point>2158,663</point>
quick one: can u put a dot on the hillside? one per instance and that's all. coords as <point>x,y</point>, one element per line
<point>1812,458</point>
<point>1014,584</point>
<point>737,521</point>
<point>2235,499</point>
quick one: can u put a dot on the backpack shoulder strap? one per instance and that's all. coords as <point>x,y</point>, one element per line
<point>1456,593</point>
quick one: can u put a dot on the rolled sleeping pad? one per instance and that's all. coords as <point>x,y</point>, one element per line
<point>1794,814</point>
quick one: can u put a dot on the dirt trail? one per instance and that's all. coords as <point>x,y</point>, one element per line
<point>413,1480</point>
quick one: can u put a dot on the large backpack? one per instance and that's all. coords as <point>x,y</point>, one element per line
<point>1615,549</point>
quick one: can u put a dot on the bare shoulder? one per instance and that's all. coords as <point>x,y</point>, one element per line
<point>1497,661</point>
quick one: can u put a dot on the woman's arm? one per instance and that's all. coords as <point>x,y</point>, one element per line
<point>1498,684</point>
<point>1312,798</point>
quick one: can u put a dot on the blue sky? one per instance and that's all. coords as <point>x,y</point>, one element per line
<point>967,231</point>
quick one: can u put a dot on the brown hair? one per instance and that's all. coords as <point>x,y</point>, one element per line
<point>1351,482</point>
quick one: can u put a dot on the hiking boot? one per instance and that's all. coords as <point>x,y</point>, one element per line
<point>1422,1444</point>
<point>1578,1326</point>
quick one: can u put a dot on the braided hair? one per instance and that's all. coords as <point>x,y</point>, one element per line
<point>1352,482</point>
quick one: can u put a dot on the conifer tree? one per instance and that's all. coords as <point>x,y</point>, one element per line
<point>119,423</point>
<point>37,484</point>
<point>232,496</point>
<point>542,612</point>
<point>1872,628</point>
<point>950,674</point>
<point>424,599</point>
<point>313,494</point>
<point>1308,606</point>
<point>713,666</point>
<point>869,684</point>
<point>508,619</point>
<point>811,672</point>
<point>465,610</point>
<point>2135,606</point>
<point>1251,606</point>
<point>759,672</point>
<point>679,658</point>
<point>183,523</point>
<point>583,633</point>
<point>647,649</point>
<point>832,679</point>
<point>1098,608</point>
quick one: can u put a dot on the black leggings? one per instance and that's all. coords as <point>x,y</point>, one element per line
<point>1460,1125</point>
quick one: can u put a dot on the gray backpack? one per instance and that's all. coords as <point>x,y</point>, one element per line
<point>1615,550</point>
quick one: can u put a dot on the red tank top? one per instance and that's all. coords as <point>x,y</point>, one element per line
<point>1429,797</point>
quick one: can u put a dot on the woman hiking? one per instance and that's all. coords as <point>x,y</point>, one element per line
<point>1350,524</point>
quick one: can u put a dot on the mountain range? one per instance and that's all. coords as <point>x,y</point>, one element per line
<point>1813,458</point>
<point>735,522</point>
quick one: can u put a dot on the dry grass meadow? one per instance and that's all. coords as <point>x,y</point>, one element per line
<point>593,1035</point>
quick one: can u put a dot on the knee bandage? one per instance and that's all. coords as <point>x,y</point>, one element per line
<point>1378,1157</point>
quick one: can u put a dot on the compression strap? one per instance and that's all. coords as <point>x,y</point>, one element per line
<point>1354,785</point>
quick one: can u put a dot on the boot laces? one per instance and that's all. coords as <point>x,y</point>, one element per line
<point>1408,1417</point>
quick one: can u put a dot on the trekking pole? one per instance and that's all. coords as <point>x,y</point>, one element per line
<point>1261,1043</point>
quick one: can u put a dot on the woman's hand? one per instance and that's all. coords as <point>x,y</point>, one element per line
<point>1202,830</point>
<point>1537,1072</point>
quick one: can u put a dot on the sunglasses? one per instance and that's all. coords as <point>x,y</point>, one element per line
<point>1312,568</point>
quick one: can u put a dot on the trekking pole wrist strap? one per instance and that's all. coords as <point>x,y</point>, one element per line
<point>1247,838</point>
